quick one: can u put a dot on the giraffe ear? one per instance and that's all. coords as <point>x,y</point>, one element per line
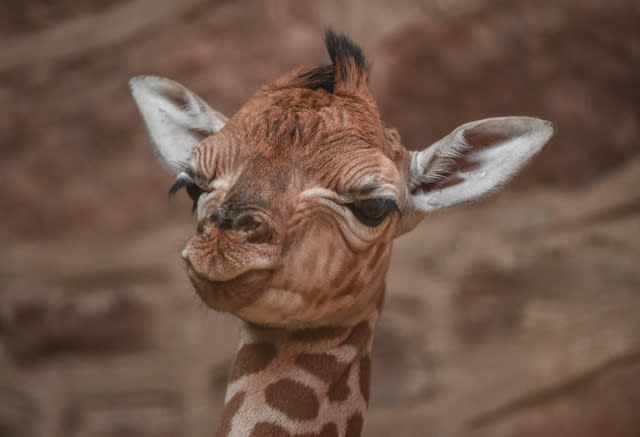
<point>176,118</point>
<point>473,161</point>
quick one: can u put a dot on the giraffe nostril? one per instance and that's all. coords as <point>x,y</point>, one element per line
<point>252,224</point>
<point>256,228</point>
<point>221,219</point>
<point>260,234</point>
<point>225,224</point>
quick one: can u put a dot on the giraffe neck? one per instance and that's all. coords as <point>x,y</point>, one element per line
<point>305,383</point>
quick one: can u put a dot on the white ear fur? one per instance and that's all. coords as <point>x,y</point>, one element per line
<point>473,161</point>
<point>177,119</point>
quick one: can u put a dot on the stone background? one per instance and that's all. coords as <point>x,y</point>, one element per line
<point>514,317</point>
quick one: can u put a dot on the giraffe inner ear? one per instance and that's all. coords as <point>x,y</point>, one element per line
<point>176,118</point>
<point>473,161</point>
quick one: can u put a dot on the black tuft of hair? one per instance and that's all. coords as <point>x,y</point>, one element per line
<point>341,49</point>
<point>320,77</point>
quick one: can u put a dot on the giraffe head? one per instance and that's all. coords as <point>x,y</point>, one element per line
<point>300,194</point>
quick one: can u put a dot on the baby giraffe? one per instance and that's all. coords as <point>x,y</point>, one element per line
<point>298,198</point>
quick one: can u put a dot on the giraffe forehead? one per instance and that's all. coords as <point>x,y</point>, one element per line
<point>344,164</point>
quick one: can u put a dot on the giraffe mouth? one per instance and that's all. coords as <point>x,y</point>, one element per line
<point>230,295</point>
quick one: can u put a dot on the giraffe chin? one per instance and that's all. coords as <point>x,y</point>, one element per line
<point>234,294</point>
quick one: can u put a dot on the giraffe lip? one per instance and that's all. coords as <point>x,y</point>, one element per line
<point>232,294</point>
<point>243,275</point>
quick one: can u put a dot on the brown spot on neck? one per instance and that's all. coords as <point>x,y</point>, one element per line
<point>365,376</point>
<point>293,398</point>
<point>265,429</point>
<point>324,366</point>
<point>339,390</point>
<point>354,426</point>
<point>359,336</point>
<point>252,358</point>
<point>230,409</point>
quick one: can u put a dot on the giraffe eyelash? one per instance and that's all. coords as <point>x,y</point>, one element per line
<point>182,182</point>
<point>194,191</point>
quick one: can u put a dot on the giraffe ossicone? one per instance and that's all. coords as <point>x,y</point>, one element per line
<point>298,198</point>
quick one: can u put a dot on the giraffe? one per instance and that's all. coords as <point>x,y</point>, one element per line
<point>298,198</point>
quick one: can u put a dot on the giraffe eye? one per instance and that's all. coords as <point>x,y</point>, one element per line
<point>372,212</point>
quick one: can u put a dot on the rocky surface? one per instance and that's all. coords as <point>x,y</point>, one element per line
<point>514,317</point>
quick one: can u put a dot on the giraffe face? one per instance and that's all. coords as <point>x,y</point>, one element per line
<point>299,195</point>
<point>297,207</point>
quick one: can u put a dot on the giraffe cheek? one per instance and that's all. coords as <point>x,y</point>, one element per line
<point>308,267</point>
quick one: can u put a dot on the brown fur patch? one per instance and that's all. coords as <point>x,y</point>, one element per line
<point>230,409</point>
<point>339,391</point>
<point>265,429</point>
<point>365,376</point>
<point>252,358</point>
<point>324,366</point>
<point>359,336</point>
<point>294,399</point>
<point>354,426</point>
